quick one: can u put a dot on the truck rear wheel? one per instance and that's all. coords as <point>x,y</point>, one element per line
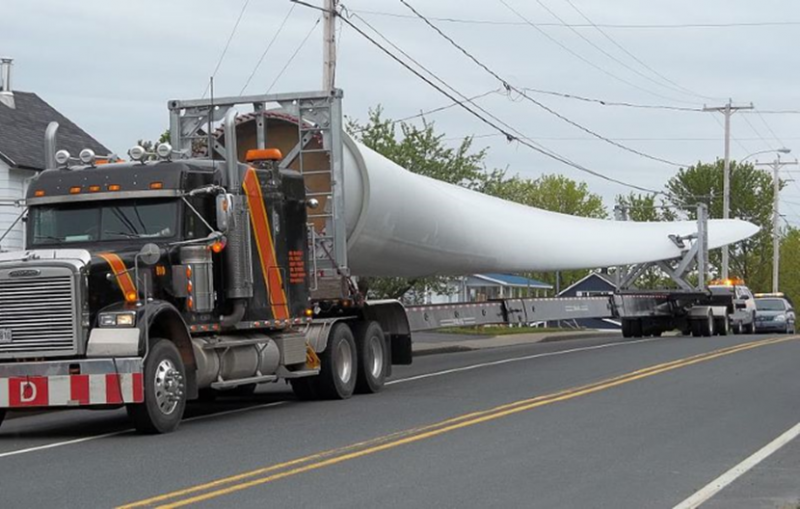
<point>338,365</point>
<point>722,326</point>
<point>371,348</point>
<point>164,395</point>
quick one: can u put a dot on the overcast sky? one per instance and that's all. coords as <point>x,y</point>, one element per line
<point>111,67</point>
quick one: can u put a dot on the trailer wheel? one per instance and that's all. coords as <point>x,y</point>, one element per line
<point>626,328</point>
<point>636,328</point>
<point>164,397</point>
<point>707,325</point>
<point>372,357</point>
<point>338,369</point>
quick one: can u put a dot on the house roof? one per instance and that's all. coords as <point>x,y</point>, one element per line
<point>22,132</point>
<point>513,281</point>
<point>596,275</point>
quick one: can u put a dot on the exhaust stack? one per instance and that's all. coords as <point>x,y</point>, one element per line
<point>6,93</point>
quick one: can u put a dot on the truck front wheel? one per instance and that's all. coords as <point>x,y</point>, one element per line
<point>371,348</point>
<point>164,395</point>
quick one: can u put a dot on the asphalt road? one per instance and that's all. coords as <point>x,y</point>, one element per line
<point>582,423</point>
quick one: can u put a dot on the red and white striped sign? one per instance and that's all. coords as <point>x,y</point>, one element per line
<point>71,390</point>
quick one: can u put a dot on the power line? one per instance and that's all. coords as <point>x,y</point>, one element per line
<point>227,45</point>
<point>634,57</point>
<point>584,59</point>
<point>758,133</point>
<point>606,53</point>
<point>522,93</point>
<point>605,102</point>
<point>511,137</point>
<point>615,138</point>
<point>269,46</point>
<point>291,58</point>
<point>586,25</point>
<point>769,128</point>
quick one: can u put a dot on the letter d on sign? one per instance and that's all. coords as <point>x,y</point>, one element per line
<point>28,391</point>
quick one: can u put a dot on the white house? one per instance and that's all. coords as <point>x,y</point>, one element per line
<point>24,116</point>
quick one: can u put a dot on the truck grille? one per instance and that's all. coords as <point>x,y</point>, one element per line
<point>39,314</point>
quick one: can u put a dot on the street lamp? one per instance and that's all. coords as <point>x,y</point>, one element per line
<point>782,150</point>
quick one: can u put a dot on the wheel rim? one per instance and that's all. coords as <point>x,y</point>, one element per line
<point>376,354</point>
<point>344,361</point>
<point>167,386</point>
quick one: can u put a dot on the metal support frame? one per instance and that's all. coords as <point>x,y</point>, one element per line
<point>694,248</point>
<point>319,116</point>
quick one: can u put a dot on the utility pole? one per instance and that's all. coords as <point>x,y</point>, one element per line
<point>329,45</point>
<point>727,110</point>
<point>776,165</point>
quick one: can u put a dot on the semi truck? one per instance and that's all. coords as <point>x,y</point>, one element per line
<point>215,263</point>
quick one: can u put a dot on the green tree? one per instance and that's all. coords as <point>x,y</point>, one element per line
<point>790,264</point>
<point>751,200</point>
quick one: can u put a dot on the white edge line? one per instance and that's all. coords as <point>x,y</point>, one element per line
<point>518,359</point>
<point>121,432</point>
<point>739,470</point>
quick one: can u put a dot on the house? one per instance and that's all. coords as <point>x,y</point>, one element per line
<point>24,116</point>
<point>482,287</point>
<point>593,284</point>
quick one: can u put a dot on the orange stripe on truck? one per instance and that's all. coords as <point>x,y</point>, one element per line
<point>124,279</point>
<point>266,247</point>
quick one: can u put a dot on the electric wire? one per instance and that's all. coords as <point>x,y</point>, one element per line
<point>291,58</point>
<point>585,60</point>
<point>587,25</point>
<point>769,128</point>
<point>758,133</point>
<point>269,46</point>
<point>631,55</point>
<point>605,102</point>
<point>509,136</point>
<point>227,45</point>
<point>607,54</point>
<point>522,93</point>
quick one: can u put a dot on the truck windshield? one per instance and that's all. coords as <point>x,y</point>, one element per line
<point>770,305</point>
<point>99,221</point>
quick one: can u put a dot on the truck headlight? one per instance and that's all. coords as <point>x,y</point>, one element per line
<point>780,318</point>
<point>117,319</point>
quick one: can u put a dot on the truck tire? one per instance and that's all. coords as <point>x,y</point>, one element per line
<point>750,328</point>
<point>2,415</point>
<point>722,326</point>
<point>697,328</point>
<point>636,328</point>
<point>372,357</point>
<point>164,395</point>
<point>707,325</point>
<point>626,328</point>
<point>338,365</point>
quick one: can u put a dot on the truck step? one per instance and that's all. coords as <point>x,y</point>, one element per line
<point>285,373</point>
<point>229,384</point>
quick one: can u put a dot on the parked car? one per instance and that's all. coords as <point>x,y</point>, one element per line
<point>774,314</point>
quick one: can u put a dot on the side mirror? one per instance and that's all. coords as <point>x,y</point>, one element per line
<point>150,254</point>
<point>740,305</point>
<point>224,208</point>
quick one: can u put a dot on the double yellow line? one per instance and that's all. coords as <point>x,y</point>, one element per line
<point>260,476</point>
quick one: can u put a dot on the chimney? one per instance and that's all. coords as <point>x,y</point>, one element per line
<point>6,94</point>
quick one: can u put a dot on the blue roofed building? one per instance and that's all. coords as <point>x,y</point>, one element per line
<point>482,287</point>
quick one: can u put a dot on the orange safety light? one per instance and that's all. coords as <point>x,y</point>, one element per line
<point>39,193</point>
<point>190,303</point>
<point>75,190</point>
<point>131,297</point>
<point>189,287</point>
<point>94,189</point>
<point>263,154</point>
<point>156,185</point>
<point>309,312</point>
<point>217,247</point>
<point>114,187</point>
<point>161,270</point>
<point>189,271</point>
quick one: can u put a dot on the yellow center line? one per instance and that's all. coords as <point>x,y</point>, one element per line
<point>353,451</point>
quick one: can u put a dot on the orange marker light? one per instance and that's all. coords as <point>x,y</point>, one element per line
<point>217,247</point>
<point>114,187</point>
<point>161,270</point>
<point>189,271</point>
<point>39,193</point>
<point>309,312</point>
<point>190,303</point>
<point>264,154</point>
<point>131,297</point>
<point>94,189</point>
<point>189,287</point>
<point>156,185</point>
<point>75,190</point>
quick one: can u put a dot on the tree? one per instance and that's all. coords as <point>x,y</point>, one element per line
<point>751,200</point>
<point>790,264</point>
<point>423,151</point>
